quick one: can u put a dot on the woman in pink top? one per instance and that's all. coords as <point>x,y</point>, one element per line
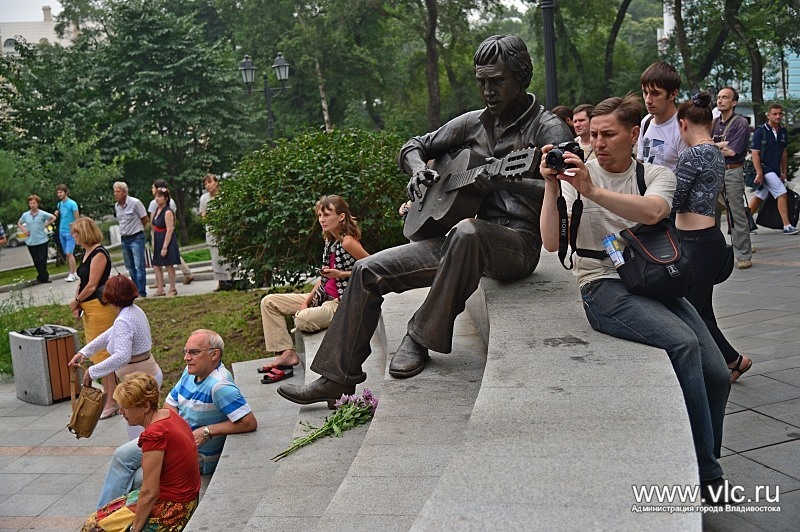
<point>313,311</point>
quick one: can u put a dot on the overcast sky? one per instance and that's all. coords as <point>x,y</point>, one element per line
<point>26,10</point>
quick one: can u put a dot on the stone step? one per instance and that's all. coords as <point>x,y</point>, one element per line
<point>419,424</point>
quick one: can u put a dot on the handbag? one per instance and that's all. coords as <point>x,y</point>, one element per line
<point>86,409</point>
<point>655,265</point>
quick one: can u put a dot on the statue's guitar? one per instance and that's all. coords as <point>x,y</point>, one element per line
<point>453,198</point>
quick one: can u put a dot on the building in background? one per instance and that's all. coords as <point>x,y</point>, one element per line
<point>42,31</point>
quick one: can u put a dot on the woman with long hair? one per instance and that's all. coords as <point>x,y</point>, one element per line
<point>313,311</point>
<point>98,317</point>
<point>701,175</point>
<point>128,341</point>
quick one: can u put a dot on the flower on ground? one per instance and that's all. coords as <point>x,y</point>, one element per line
<point>351,411</point>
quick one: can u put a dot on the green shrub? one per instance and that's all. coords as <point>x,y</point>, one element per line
<point>264,218</point>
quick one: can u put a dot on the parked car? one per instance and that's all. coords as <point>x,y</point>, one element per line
<point>14,236</point>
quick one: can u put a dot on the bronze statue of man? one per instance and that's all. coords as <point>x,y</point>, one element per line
<point>502,242</point>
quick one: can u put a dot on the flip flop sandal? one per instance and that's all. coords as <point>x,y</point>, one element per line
<point>738,371</point>
<point>267,369</point>
<point>276,375</point>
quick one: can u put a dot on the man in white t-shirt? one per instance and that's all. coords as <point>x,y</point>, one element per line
<point>611,203</point>
<point>659,138</point>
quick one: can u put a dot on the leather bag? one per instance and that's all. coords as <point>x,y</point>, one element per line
<point>86,408</point>
<point>655,265</point>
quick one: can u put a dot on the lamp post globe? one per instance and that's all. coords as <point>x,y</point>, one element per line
<point>281,68</point>
<point>248,71</point>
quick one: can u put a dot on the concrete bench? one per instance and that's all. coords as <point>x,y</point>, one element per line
<point>567,420</point>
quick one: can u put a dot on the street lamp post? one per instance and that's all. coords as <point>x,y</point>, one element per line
<point>548,36</point>
<point>248,71</point>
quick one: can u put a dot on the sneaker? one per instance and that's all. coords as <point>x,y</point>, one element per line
<point>71,278</point>
<point>790,230</point>
<point>753,249</point>
<point>188,279</point>
<point>744,264</point>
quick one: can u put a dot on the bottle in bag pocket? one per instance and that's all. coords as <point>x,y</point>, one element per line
<point>612,247</point>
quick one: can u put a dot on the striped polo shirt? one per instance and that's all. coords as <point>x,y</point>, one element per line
<point>213,400</point>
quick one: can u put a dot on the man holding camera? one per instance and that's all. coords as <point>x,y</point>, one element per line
<point>611,203</point>
<point>502,242</point>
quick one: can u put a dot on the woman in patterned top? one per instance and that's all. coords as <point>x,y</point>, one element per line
<point>701,175</point>
<point>313,311</point>
<point>128,341</point>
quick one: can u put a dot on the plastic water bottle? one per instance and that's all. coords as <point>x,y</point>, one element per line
<point>611,244</point>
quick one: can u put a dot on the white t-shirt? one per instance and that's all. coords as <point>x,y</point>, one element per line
<point>661,143</point>
<point>596,221</point>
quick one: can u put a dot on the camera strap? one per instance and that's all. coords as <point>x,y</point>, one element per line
<point>568,232</point>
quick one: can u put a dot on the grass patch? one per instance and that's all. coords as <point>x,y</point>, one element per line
<point>196,255</point>
<point>234,315</point>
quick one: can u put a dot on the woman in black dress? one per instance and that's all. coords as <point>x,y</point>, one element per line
<point>165,246</point>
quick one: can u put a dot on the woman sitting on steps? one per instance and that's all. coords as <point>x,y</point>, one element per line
<point>314,311</point>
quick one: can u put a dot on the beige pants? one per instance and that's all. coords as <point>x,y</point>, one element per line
<point>275,307</point>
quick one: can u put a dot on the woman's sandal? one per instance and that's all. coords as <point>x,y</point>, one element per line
<point>172,292</point>
<point>110,412</point>
<point>738,370</point>
<point>160,294</point>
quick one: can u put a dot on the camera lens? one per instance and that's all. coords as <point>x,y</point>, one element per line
<point>554,159</point>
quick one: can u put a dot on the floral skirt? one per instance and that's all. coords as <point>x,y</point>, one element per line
<point>116,516</point>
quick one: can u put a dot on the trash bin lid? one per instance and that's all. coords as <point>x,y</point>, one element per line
<point>47,331</point>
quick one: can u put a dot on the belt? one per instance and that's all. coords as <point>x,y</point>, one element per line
<point>733,165</point>
<point>157,229</point>
<point>139,358</point>
<point>134,235</point>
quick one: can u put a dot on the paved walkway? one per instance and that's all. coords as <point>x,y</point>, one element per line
<point>50,481</point>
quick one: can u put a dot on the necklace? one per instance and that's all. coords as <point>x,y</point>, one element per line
<point>706,141</point>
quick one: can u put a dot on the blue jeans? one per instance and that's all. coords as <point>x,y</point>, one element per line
<point>124,473</point>
<point>133,255</point>
<point>676,327</point>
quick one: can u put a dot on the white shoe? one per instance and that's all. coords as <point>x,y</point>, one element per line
<point>71,278</point>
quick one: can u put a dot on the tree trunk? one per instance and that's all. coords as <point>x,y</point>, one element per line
<point>432,64</point>
<point>756,66</point>
<point>683,45</point>
<point>608,65</point>
<point>326,117</point>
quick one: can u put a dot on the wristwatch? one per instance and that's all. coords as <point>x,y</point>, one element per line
<point>206,433</point>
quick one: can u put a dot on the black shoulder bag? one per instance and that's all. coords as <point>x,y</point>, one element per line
<point>655,265</point>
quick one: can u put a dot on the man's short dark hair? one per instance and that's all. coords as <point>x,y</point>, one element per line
<point>509,49</point>
<point>775,106</point>
<point>628,110</point>
<point>584,108</point>
<point>63,188</point>
<point>160,183</point>
<point>735,94</point>
<point>661,75</point>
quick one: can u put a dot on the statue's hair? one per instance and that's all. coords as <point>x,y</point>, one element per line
<point>512,51</point>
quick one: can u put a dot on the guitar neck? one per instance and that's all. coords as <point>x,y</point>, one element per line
<point>463,179</point>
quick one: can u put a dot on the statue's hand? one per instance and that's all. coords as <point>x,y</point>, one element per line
<point>488,180</point>
<point>425,177</point>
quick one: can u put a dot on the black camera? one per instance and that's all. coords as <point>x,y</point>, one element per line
<point>555,157</point>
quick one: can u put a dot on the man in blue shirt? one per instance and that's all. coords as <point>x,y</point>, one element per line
<point>67,212</point>
<point>770,160</point>
<point>210,402</point>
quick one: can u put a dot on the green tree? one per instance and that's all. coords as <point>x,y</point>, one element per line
<point>174,98</point>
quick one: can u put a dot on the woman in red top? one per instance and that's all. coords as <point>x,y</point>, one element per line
<point>171,479</point>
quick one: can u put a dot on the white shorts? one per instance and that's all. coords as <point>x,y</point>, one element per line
<point>772,185</point>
